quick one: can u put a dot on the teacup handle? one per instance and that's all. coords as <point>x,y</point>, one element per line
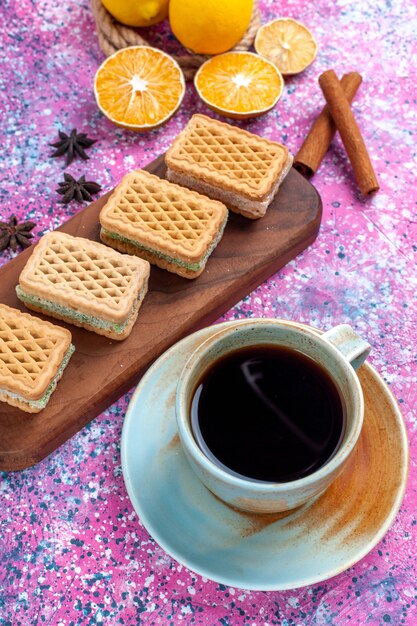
<point>349,343</point>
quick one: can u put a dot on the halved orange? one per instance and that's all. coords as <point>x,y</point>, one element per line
<point>287,43</point>
<point>139,87</point>
<point>239,84</point>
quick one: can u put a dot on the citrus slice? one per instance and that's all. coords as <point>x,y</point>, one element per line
<point>286,43</point>
<point>239,84</point>
<point>139,87</point>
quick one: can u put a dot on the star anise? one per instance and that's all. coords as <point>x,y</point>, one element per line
<point>71,145</point>
<point>13,233</point>
<point>79,190</point>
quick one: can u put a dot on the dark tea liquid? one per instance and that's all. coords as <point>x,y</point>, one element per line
<point>268,413</point>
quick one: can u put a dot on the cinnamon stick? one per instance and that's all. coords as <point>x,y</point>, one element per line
<point>349,132</point>
<point>312,152</point>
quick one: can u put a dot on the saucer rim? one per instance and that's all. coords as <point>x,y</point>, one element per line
<point>234,582</point>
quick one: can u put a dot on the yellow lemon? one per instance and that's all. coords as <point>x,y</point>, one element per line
<point>137,12</point>
<point>209,27</point>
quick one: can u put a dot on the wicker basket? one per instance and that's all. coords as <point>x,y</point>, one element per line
<point>113,36</point>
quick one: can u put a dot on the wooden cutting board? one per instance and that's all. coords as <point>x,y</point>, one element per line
<point>102,370</point>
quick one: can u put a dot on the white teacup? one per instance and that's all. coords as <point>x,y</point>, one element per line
<point>339,352</point>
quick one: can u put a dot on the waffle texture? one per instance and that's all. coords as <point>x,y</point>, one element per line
<point>172,227</point>
<point>228,158</point>
<point>86,277</point>
<point>31,354</point>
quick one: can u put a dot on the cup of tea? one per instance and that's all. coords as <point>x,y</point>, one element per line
<point>269,411</point>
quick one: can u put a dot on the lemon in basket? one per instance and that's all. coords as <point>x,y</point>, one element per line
<point>137,12</point>
<point>209,27</point>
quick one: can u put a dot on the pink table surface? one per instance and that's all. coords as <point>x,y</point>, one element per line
<point>72,549</point>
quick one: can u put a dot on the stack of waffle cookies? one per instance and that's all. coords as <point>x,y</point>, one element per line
<point>84,283</point>
<point>177,223</point>
<point>168,225</point>
<point>174,224</point>
<point>229,164</point>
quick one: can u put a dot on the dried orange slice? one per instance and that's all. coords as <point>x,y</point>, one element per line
<point>239,84</point>
<point>287,43</point>
<point>139,87</point>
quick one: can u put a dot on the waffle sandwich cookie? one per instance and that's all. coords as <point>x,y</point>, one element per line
<point>33,356</point>
<point>84,283</point>
<point>232,165</point>
<point>174,228</point>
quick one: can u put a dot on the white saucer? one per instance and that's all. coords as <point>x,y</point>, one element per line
<point>259,552</point>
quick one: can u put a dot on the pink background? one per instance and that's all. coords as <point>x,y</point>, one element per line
<point>72,549</point>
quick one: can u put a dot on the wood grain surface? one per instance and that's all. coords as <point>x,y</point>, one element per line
<point>102,370</point>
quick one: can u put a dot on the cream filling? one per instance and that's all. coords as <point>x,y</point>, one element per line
<point>43,400</point>
<point>98,322</point>
<point>190,266</point>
